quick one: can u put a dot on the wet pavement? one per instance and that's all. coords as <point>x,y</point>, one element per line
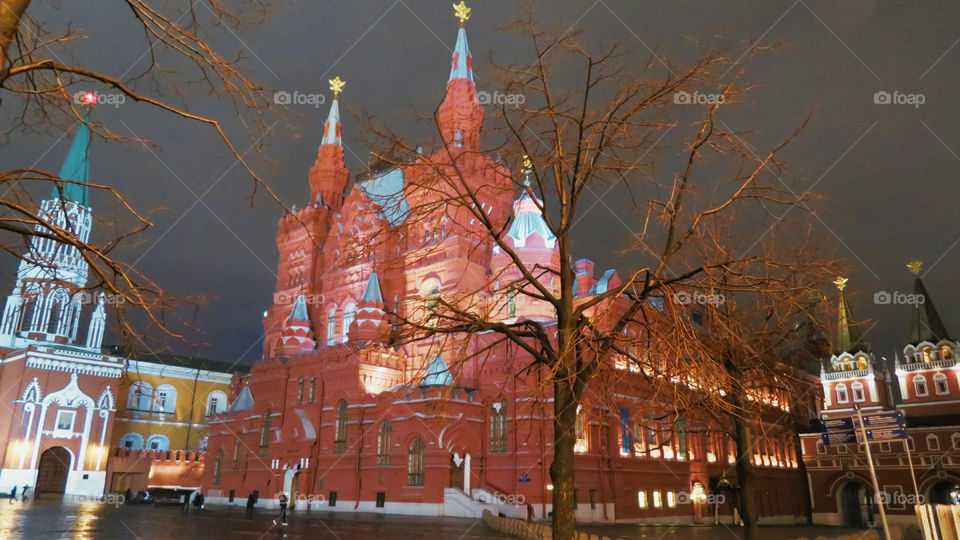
<point>94,520</point>
<point>56,519</point>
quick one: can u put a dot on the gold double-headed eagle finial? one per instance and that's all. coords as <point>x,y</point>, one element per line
<point>527,164</point>
<point>840,282</point>
<point>915,266</point>
<point>336,85</point>
<point>462,12</point>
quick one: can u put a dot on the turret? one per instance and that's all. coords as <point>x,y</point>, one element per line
<point>297,337</point>
<point>460,116</point>
<point>370,322</point>
<point>329,175</point>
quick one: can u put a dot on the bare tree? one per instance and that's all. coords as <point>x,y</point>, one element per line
<point>728,223</point>
<point>49,91</point>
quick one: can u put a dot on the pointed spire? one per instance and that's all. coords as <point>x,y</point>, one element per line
<point>76,168</point>
<point>331,129</point>
<point>462,65</point>
<point>927,325</point>
<point>299,312</point>
<point>848,336</point>
<point>328,176</point>
<point>372,292</point>
<point>460,115</point>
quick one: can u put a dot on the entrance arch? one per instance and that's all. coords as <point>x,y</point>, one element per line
<point>855,504</point>
<point>946,492</point>
<point>53,469</point>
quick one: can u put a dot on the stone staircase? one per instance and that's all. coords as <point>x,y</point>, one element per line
<point>458,503</point>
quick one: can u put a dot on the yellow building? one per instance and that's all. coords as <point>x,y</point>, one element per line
<point>166,402</point>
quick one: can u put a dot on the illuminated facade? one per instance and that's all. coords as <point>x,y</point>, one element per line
<point>340,416</point>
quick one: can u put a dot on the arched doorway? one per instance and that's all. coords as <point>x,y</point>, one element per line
<point>53,469</point>
<point>294,490</point>
<point>946,492</point>
<point>855,506</point>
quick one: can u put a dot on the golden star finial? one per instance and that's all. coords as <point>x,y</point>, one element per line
<point>840,282</point>
<point>336,84</point>
<point>462,12</point>
<point>915,266</point>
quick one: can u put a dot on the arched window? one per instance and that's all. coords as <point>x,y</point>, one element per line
<point>384,442</point>
<point>218,467</point>
<point>165,398</point>
<point>141,393</point>
<point>332,327</point>
<point>940,384</point>
<point>430,290</point>
<point>340,431</point>
<point>300,390</point>
<point>927,353</point>
<point>933,442</point>
<point>349,313</point>
<point>216,402</point>
<point>842,396</point>
<point>415,463</point>
<point>955,441</point>
<point>132,440</point>
<point>858,394</point>
<point>265,432</point>
<point>158,442</point>
<point>920,385</point>
<point>498,427</point>
<point>946,352</point>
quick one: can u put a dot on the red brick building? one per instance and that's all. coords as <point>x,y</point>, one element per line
<point>924,384</point>
<point>340,416</point>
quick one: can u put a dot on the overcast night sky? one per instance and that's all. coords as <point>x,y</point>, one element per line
<point>889,172</point>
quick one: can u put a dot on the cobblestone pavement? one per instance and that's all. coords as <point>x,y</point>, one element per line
<point>719,532</point>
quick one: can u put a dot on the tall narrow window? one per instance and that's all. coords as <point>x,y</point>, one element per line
<point>842,396</point>
<point>300,390</point>
<point>920,385</point>
<point>581,445</point>
<point>218,467</point>
<point>498,427</point>
<point>415,463</point>
<point>313,388</point>
<point>236,452</point>
<point>349,313</point>
<point>384,442</point>
<point>265,432</point>
<point>858,394</point>
<point>940,384</point>
<point>340,431</point>
<point>511,303</point>
<point>332,327</point>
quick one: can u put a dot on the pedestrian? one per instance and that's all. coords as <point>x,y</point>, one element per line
<point>185,507</point>
<point>282,518</point>
<point>13,494</point>
<point>198,500</point>
<point>24,493</point>
<point>250,502</point>
<point>127,496</point>
<point>36,494</point>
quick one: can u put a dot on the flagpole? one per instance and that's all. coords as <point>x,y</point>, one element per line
<point>873,476</point>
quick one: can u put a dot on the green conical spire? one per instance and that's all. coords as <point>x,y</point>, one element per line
<point>77,168</point>
<point>927,325</point>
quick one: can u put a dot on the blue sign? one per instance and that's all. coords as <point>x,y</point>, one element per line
<point>524,478</point>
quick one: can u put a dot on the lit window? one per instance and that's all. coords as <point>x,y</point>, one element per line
<point>581,445</point>
<point>348,315</point>
<point>657,499</point>
<point>642,499</point>
<point>332,327</point>
<point>671,499</point>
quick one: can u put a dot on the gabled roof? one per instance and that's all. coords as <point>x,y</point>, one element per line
<point>244,401</point>
<point>438,374</point>
<point>299,312</point>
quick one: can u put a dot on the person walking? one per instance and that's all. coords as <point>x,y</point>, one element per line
<point>282,518</point>
<point>24,493</point>
<point>13,494</point>
<point>250,502</point>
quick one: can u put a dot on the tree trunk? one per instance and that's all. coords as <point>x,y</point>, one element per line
<point>10,13</point>
<point>746,477</point>
<point>561,470</point>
